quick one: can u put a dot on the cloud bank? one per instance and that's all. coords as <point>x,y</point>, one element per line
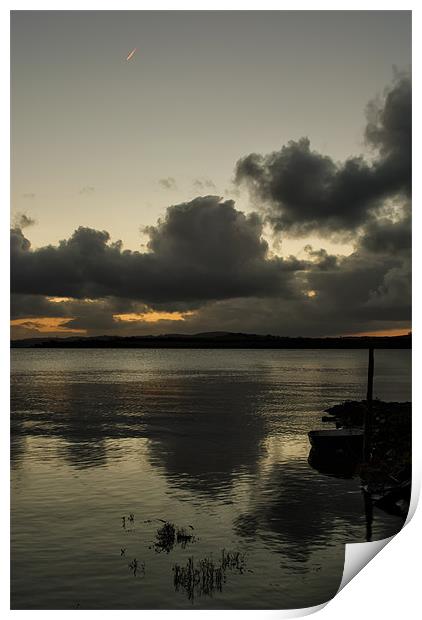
<point>306,192</point>
<point>211,263</point>
<point>202,250</point>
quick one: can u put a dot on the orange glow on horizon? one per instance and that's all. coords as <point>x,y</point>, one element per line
<point>47,325</point>
<point>394,331</point>
<point>59,300</point>
<point>152,317</point>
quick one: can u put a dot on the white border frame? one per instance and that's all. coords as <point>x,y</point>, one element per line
<point>389,585</point>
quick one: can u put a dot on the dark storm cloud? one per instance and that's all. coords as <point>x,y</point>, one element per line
<point>355,292</point>
<point>30,306</point>
<point>207,254</point>
<point>368,290</point>
<point>385,235</point>
<point>202,250</point>
<point>391,241</point>
<point>307,192</point>
<point>374,282</point>
<point>389,130</point>
<point>33,306</point>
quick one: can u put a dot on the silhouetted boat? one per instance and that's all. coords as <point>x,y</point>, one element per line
<point>340,464</point>
<point>348,440</point>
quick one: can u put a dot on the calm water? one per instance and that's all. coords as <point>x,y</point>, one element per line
<point>214,441</point>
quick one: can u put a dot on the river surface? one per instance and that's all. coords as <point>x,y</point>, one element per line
<point>107,445</point>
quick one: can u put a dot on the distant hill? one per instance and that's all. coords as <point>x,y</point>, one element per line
<point>216,340</point>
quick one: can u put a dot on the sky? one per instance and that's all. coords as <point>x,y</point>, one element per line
<point>243,171</point>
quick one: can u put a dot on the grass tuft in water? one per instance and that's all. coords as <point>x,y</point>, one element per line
<point>165,537</point>
<point>233,560</point>
<point>168,535</point>
<point>184,538</point>
<point>205,577</point>
<point>137,568</point>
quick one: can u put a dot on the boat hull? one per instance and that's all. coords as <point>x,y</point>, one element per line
<point>337,441</point>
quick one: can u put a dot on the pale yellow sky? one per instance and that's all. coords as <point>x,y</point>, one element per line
<point>92,134</point>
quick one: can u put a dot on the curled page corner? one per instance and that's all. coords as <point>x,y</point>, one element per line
<point>306,611</point>
<point>300,613</point>
<point>284,613</point>
<point>414,498</point>
<point>358,555</point>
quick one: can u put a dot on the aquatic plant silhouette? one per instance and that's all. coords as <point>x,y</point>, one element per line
<point>184,538</point>
<point>137,567</point>
<point>205,577</point>
<point>168,535</point>
<point>165,537</point>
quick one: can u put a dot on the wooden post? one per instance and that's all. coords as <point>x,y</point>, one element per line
<point>370,376</point>
<point>367,437</point>
<point>369,516</point>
